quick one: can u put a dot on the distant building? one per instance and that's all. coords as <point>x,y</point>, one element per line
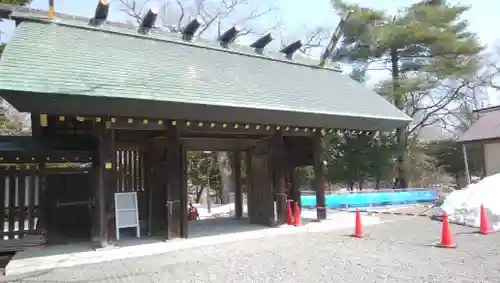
<point>486,131</point>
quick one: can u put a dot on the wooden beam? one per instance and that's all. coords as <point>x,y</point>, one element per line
<point>294,186</point>
<point>174,161</point>
<point>244,128</point>
<point>217,144</point>
<point>225,136</point>
<point>299,133</point>
<point>261,187</point>
<point>223,128</point>
<point>107,183</point>
<point>278,166</point>
<point>123,123</point>
<point>43,209</point>
<point>36,128</point>
<point>184,193</point>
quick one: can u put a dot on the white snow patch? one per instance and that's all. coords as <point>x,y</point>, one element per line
<point>463,206</point>
<point>217,210</point>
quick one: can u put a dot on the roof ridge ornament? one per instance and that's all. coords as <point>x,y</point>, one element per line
<point>148,21</point>
<point>291,48</point>
<point>101,13</point>
<point>190,29</point>
<point>229,36</point>
<point>262,42</point>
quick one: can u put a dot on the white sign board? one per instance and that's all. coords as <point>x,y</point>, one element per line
<point>126,212</point>
<point>275,212</point>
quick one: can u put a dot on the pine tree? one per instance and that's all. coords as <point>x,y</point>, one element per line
<point>425,46</point>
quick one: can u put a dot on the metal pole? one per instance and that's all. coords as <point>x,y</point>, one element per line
<point>466,163</point>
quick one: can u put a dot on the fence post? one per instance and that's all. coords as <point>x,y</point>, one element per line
<point>371,201</point>
<point>347,203</point>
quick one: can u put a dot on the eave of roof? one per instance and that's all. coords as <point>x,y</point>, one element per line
<point>487,109</point>
<point>486,128</point>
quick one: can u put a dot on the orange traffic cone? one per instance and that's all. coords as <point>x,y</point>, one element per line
<point>289,219</point>
<point>446,238</point>
<point>358,229</point>
<point>484,227</point>
<point>297,215</point>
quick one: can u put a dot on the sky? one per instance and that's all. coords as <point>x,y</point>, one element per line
<point>297,14</point>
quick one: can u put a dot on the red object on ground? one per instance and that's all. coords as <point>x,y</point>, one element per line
<point>193,213</point>
<point>358,229</point>
<point>289,218</point>
<point>296,221</point>
<point>446,238</point>
<point>484,226</point>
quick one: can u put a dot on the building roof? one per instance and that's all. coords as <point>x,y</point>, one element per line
<point>484,129</point>
<point>68,67</point>
<point>488,109</point>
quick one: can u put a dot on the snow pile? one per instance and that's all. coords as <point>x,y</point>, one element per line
<point>217,210</point>
<point>463,206</point>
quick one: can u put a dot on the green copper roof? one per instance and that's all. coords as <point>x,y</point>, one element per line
<point>69,58</point>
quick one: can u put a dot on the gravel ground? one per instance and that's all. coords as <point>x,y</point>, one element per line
<point>398,251</point>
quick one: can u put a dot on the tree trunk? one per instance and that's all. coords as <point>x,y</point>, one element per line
<point>351,185</point>
<point>226,176</point>
<point>401,136</point>
<point>377,184</point>
<point>360,186</point>
<point>199,194</point>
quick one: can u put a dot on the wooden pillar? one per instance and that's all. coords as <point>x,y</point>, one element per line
<point>184,193</point>
<point>294,186</point>
<point>42,224</point>
<point>176,187</point>
<point>107,183</point>
<point>319,177</point>
<point>278,164</point>
<point>36,128</point>
<point>95,233</point>
<point>238,195</point>
<point>261,188</point>
<point>155,171</point>
<point>150,193</point>
<point>155,184</point>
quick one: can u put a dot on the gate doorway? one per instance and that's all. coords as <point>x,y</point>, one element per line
<point>70,208</point>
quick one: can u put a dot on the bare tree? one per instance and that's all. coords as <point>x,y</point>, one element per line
<point>217,15</point>
<point>314,39</point>
<point>490,73</point>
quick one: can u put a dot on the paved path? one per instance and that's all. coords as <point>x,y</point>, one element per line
<point>399,251</point>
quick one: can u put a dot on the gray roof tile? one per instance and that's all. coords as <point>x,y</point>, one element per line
<point>69,57</point>
<point>486,128</point>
